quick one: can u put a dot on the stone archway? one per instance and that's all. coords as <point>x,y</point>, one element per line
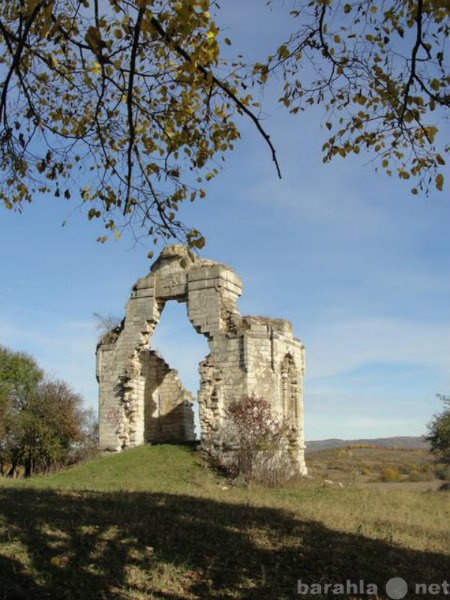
<point>182,349</point>
<point>140,397</point>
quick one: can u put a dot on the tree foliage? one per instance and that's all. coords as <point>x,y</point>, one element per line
<point>20,375</point>
<point>382,71</point>
<point>439,432</point>
<point>127,104</point>
<point>42,422</point>
<point>117,95</point>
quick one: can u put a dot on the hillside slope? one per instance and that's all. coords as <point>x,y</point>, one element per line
<point>390,442</point>
<point>154,523</point>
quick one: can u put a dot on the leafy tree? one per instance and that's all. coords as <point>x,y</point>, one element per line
<point>42,421</point>
<point>19,377</point>
<point>47,427</point>
<point>439,432</point>
<point>129,102</point>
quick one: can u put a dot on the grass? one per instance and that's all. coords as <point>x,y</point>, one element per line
<point>367,464</point>
<point>154,523</point>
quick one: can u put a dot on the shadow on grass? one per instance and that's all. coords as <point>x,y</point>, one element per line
<point>118,546</point>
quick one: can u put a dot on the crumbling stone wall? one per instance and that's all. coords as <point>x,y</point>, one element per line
<point>168,415</point>
<point>141,398</point>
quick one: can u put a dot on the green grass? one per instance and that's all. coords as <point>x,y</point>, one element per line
<point>157,468</point>
<point>155,523</point>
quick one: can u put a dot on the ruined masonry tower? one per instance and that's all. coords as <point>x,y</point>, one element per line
<point>141,399</point>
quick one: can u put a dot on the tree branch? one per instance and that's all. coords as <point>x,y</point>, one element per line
<point>21,42</point>
<point>207,74</point>
<point>131,128</point>
<point>415,50</point>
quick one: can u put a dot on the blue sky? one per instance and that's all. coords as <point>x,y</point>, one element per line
<point>360,267</point>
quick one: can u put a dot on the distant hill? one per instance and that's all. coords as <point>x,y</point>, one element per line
<point>391,442</point>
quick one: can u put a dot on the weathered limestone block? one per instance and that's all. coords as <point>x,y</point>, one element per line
<point>141,398</point>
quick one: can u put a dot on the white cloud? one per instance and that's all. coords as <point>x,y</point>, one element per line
<point>344,344</point>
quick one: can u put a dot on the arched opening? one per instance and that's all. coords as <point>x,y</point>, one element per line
<point>289,390</point>
<point>182,348</point>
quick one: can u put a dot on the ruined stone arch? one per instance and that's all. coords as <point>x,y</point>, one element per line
<point>141,399</point>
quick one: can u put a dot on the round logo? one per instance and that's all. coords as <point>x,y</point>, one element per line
<point>396,588</point>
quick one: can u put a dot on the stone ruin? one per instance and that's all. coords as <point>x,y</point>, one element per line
<point>142,400</point>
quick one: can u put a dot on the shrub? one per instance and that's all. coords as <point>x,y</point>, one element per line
<point>420,475</point>
<point>443,472</point>
<point>257,442</point>
<point>390,474</point>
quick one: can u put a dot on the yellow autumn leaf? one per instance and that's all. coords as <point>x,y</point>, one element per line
<point>53,61</point>
<point>435,84</point>
<point>283,52</point>
<point>29,7</point>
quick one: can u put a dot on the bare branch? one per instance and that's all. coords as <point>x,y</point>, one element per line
<point>132,132</point>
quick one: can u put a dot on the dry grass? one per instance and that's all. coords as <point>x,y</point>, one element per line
<point>155,523</point>
<point>363,464</point>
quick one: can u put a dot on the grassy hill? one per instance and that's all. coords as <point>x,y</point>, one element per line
<point>156,523</point>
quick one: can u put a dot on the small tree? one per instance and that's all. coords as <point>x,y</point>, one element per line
<point>19,376</point>
<point>439,432</point>
<point>258,438</point>
<point>42,422</point>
